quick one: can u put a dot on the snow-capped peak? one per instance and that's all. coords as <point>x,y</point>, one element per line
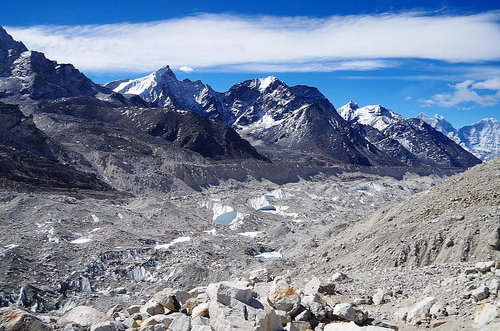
<point>372,115</point>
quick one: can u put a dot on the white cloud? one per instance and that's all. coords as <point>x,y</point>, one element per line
<point>490,84</point>
<point>466,93</point>
<point>229,42</point>
<point>186,69</point>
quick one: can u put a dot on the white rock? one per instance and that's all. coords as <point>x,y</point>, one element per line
<point>339,276</point>
<point>201,310</point>
<point>152,308</point>
<point>348,312</point>
<point>282,295</point>
<point>484,266</point>
<point>485,314</point>
<point>107,326</point>
<point>420,310</point>
<point>380,297</point>
<point>351,326</point>
<point>227,292</point>
<point>181,322</point>
<point>83,315</point>
<point>259,276</point>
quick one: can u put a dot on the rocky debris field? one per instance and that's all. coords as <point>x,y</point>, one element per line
<point>262,302</point>
<point>342,236</point>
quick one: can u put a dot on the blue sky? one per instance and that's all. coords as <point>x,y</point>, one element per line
<point>410,56</point>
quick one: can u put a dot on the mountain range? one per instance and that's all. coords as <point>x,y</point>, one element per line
<point>481,138</point>
<point>262,119</point>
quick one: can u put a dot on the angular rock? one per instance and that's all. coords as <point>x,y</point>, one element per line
<point>201,328</point>
<point>486,314</point>
<point>227,292</point>
<point>153,308</point>
<point>114,311</point>
<point>107,326</point>
<point>282,295</point>
<point>244,317</point>
<point>401,314</point>
<point>348,312</point>
<point>380,297</point>
<point>315,286</point>
<point>13,319</point>
<point>480,293</point>
<point>201,310</point>
<point>133,309</point>
<point>351,326</point>
<point>259,276</point>
<point>420,310</point>
<point>338,277</point>
<point>181,322</point>
<point>166,299</point>
<point>84,316</point>
<point>484,266</point>
<point>158,319</point>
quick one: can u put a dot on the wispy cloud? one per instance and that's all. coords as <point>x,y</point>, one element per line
<point>229,42</point>
<point>468,92</point>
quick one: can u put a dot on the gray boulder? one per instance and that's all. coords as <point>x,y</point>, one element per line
<point>84,316</point>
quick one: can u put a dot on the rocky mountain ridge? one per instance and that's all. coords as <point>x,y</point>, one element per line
<point>481,138</point>
<point>411,140</point>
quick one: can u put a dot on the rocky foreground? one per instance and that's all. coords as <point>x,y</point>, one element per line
<point>262,302</point>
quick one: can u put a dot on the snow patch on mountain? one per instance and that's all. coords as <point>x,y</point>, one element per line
<point>373,115</point>
<point>481,138</point>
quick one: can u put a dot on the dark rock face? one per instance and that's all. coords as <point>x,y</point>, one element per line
<point>210,138</point>
<point>429,145</point>
<point>388,145</point>
<point>28,156</point>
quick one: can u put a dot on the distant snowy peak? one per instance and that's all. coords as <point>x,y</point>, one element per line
<point>482,138</point>
<point>264,83</point>
<point>164,89</point>
<point>441,124</point>
<point>373,115</point>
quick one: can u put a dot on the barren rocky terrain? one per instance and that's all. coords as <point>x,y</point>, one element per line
<point>384,244</point>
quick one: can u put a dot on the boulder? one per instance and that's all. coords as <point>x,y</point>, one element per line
<point>153,308</point>
<point>480,293</point>
<point>315,286</point>
<point>84,316</point>
<point>348,312</point>
<point>401,314</point>
<point>351,326</point>
<point>438,310</point>
<point>282,295</point>
<point>13,319</point>
<point>229,292</point>
<point>380,297</point>
<point>484,266</point>
<point>201,310</point>
<point>201,328</point>
<point>133,309</point>
<point>181,322</point>
<point>114,311</point>
<point>243,317</point>
<point>158,319</point>
<point>259,276</point>
<point>486,314</point>
<point>364,300</point>
<point>338,277</point>
<point>166,299</point>
<point>420,310</point>
<point>107,326</point>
